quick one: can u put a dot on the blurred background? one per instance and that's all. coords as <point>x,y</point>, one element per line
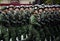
<point>29,1</point>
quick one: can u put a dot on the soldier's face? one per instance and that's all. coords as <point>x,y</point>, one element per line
<point>36,12</point>
<point>10,9</point>
<point>57,9</point>
<point>16,9</point>
<point>50,9</point>
<point>21,8</point>
<point>30,8</point>
<point>26,9</point>
<point>46,9</point>
<point>53,9</point>
<point>40,10</point>
<point>6,10</point>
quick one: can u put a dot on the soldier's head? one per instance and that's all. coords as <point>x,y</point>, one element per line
<point>35,11</point>
<point>41,9</point>
<point>31,8</point>
<point>57,8</point>
<point>5,9</point>
<point>17,8</point>
<point>22,8</point>
<point>11,8</point>
<point>53,8</point>
<point>46,8</point>
<point>50,9</point>
<point>27,8</point>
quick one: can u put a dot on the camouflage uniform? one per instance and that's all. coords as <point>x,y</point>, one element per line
<point>34,34</point>
<point>12,28</point>
<point>5,25</point>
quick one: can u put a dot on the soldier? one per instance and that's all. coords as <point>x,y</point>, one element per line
<point>12,29</point>
<point>55,22</point>
<point>46,21</point>
<point>59,17</point>
<point>57,38</point>
<point>22,12</point>
<point>16,12</point>
<point>18,19</point>
<point>22,9</point>
<point>0,24</point>
<point>31,9</point>
<point>42,34</point>
<point>25,20</point>
<point>34,34</point>
<point>5,24</point>
<point>51,22</point>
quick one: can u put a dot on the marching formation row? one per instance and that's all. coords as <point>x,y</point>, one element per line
<point>33,23</point>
